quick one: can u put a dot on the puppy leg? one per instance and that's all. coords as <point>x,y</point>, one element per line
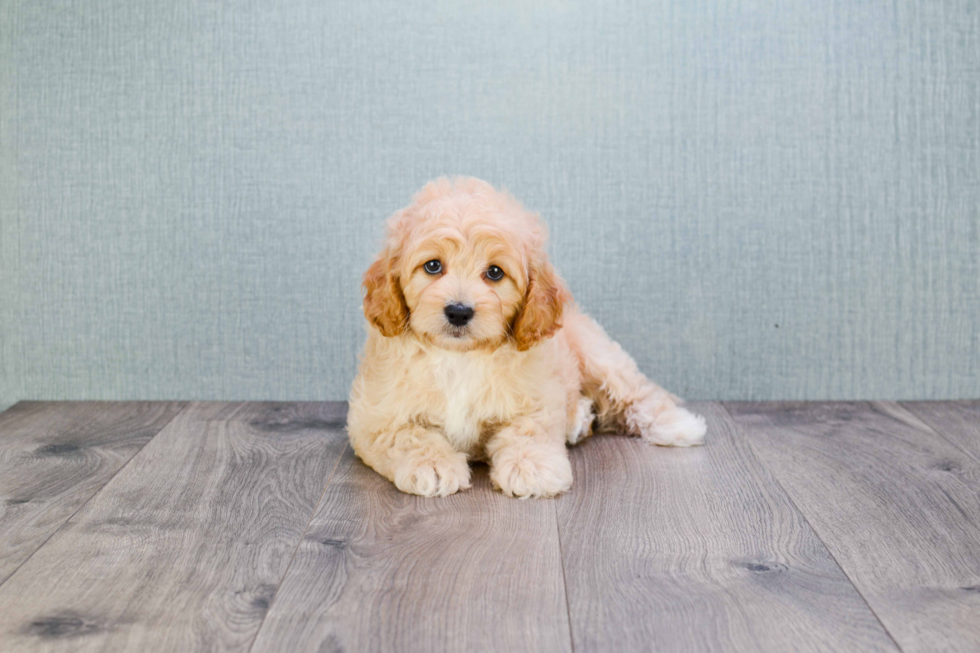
<point>580,427</point>
<point>418,461</point>
<point>528,461</point>
<point>624,398</point>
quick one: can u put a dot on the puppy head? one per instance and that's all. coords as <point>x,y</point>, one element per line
<point>464,267</point>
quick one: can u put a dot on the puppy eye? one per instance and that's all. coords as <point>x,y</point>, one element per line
<point>494,273</point>
<point>433,267</point>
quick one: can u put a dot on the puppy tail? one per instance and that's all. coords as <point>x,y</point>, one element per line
<point>623,398</point>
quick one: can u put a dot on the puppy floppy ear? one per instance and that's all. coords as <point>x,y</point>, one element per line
<point>544,305</point>
<point>384,303</point>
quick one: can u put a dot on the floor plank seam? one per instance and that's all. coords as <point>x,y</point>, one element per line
<point>802,526</point>
<point>299,543</point>
<point>931,426</point>
<point>564,580</point>
<point>94,494</point>
<point>748,442</point>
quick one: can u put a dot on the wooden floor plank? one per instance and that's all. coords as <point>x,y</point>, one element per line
<point>893,501</point>
<point>185,547</point>
<point>957,421</point>
<point>699,550</point>
<point>54,456</point>
<point>384,571</point>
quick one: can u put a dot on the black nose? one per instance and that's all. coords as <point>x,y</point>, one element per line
<point>458,315</point>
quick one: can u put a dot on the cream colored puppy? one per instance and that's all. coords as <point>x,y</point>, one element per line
<point>475,351</point>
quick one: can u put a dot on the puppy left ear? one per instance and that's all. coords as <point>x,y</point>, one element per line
<point>544,306</point>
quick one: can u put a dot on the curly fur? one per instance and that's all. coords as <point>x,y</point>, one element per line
<point>527,375</point>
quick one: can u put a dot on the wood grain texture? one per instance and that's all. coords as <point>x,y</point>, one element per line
<point>957,421</point>
<point>895,503</point>
<point>384,571</point>
<point>204,538</point>
<point>54,456</point>
<point>699,550</point>
<point>184,549</point>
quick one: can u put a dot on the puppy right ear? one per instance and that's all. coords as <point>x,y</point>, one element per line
<point>384,303</point>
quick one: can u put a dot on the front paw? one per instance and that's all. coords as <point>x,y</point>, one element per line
<point>671,427</point>
<point>437,475</point>
<point>528,472</point>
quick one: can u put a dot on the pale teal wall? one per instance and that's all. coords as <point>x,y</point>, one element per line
<point>771,199</point>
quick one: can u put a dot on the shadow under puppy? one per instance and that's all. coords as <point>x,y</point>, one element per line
<point>476,351</point>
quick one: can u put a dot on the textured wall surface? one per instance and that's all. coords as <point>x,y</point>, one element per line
<point>771,199</point>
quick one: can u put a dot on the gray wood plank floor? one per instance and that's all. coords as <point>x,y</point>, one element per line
<point>380,570</point>
<point>184,548</point>
<point>699,550</point>
<point>896,504</point>
<point>55,456</point>
<point>228,526</point>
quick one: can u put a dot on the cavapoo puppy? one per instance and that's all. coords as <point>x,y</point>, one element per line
<point>476,351</point>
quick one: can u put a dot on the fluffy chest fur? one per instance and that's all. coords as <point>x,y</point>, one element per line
<point>473,393</point>
<point>465,396</point>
